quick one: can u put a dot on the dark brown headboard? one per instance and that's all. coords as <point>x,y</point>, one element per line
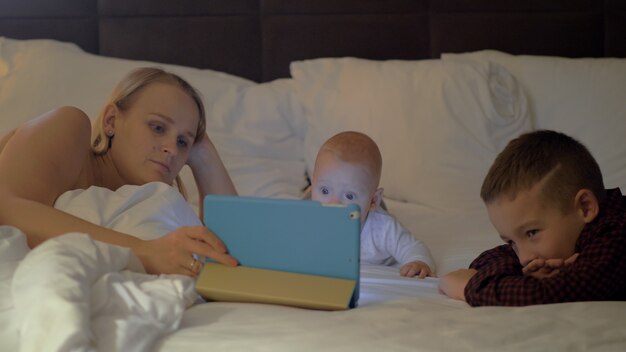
<point>257,39</point>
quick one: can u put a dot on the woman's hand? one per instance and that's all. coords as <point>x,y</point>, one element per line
<point>209,170</point>
<point>173,253</point>
<point>202,152</point>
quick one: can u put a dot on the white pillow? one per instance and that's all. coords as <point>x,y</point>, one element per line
<point>244,119</point>
<point>260,140</point>
<point>584,98</point>
<point>39,75</point>
<point>438,124</point>
<point>453,238</point>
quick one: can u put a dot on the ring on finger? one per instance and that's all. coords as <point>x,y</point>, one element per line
<point>192,265</point>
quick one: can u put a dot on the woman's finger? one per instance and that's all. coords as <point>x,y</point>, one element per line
<point>203,242</point>
<point>190,267</point>
<point>205,250</point>
<point>203,234</point>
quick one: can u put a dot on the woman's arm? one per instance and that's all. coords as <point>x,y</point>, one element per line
<point>39,161</point>
<point>48,156</point>
<point>209,171</point>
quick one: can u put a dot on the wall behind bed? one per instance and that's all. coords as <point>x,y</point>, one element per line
<point>257,39</point>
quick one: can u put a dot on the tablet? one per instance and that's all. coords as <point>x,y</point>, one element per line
<point>284,237</point>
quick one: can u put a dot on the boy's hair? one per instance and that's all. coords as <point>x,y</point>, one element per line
<point>528,159</point>
<point>357,147</point>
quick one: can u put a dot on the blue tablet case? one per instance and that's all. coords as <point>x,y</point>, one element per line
<point>295,236</point>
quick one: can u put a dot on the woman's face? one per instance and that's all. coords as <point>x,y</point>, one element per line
<point>154,136</point>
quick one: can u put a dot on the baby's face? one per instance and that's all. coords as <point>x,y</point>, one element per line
<point>338,182</point>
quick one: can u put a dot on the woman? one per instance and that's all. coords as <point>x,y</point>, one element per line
<point>152,125</point>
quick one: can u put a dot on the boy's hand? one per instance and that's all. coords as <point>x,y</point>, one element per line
<point>416,268</point>
<point>544,268</point>
<point>453,284</point>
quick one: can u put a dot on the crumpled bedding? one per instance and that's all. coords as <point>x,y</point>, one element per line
<point>74,293</point>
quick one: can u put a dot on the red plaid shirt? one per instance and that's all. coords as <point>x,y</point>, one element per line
<point>598,274</point>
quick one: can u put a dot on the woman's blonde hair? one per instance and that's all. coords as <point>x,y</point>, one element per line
<point>123,96</point>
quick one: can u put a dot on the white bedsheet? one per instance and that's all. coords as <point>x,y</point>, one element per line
<point>402,315</point>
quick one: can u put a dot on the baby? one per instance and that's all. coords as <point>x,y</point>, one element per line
<point>347,170</point>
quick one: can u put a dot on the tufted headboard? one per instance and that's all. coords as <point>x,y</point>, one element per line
<point>257,39</point>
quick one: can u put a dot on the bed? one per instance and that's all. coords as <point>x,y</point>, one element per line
<point>441,86</point>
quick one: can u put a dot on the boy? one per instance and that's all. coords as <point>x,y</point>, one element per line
<point>565,234</point>
<point>347,170</point>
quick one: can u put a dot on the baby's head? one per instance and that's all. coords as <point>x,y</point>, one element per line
<point>540,192</point>
<point>347,171</point>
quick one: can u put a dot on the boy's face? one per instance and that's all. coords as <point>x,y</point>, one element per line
<point>338,182</point>
<point>536,228</point>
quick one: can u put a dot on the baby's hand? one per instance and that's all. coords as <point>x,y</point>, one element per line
<point>416,268</point>
<point>545,268</point>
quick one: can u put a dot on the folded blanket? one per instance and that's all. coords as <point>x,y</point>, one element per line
<point>74,293</point>
<point>148,212</point>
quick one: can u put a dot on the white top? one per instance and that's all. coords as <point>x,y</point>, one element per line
<point>385,241</point>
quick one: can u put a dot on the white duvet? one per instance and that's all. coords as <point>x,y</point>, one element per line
<point>72,293</point>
